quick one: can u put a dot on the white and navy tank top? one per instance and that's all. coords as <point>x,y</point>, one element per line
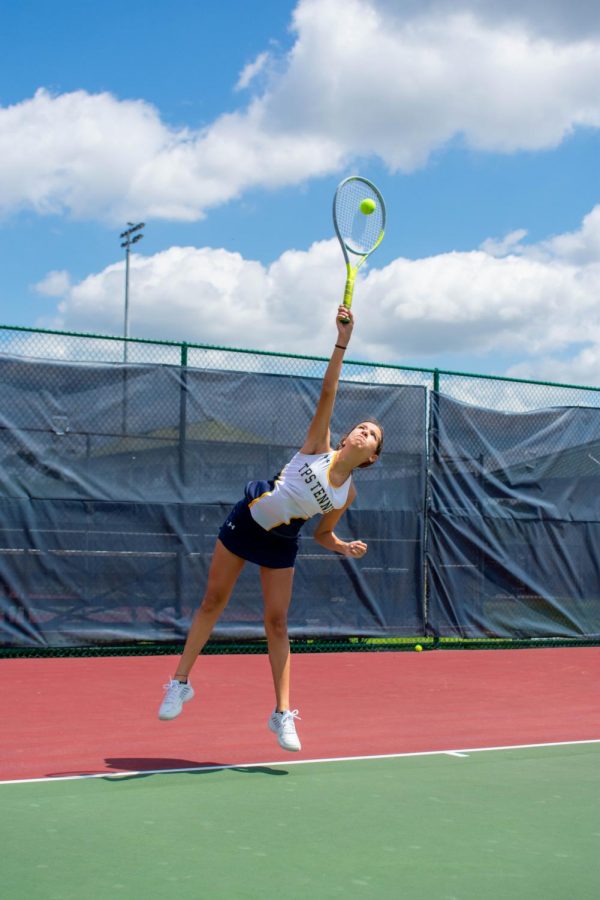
<point>300,491</point>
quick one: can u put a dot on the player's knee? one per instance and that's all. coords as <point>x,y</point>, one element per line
<point>276,625</point>
<point>214,601</point>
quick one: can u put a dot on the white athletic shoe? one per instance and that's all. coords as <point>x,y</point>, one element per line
<point>176,695</point>
<point>285,728</point>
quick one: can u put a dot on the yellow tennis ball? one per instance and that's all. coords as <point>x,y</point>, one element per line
<point>367,206</point>
<point>418,648</point>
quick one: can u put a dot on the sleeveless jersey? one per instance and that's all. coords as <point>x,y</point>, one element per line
<point>301,490</point>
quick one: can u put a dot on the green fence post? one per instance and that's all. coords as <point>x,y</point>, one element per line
<point>183,361</point>
<point>181,552</point>
<point>184,355</point>
<point>433,449</point>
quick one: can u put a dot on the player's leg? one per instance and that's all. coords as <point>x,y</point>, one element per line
<point>277,594</point>
<point>223,573</point>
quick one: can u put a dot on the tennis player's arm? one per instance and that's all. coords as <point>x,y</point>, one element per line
<point>318,436</point>
<point>326,537</point>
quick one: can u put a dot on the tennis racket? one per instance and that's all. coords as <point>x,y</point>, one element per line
<point>359,222</point>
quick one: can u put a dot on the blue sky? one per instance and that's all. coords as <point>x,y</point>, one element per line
<point>226,127</point>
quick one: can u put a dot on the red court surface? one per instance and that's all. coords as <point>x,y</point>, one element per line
<point>98,715</point>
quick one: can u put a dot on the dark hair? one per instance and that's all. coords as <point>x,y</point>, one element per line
<point>379,449</point>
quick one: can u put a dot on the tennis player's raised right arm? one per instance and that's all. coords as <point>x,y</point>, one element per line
<point>318,435</point>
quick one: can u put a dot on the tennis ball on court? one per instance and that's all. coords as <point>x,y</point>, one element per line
<point>418,648</point>
<point>367,206</point>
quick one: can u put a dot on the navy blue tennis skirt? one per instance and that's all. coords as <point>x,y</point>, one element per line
<point>247,539</point>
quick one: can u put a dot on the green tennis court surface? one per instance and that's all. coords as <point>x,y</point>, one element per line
<point>519,823</point>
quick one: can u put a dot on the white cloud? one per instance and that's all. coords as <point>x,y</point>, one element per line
<point>583,368</point>
<point>561,19</point>
<point>54,284</point>
<point>581,247</point>
<point>539,305</point>
<point>76,152</point>
<point>212,297</point>
<point>363,78</point>
<point>508,244</point>
<point>251,71</point>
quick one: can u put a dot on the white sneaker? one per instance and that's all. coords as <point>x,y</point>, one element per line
<point>285,728</point>
<point>177,694</point>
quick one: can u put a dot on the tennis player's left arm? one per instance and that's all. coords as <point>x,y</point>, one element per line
<point>326,537</point>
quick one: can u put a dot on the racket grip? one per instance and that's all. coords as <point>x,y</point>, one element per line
<point>347,301</point>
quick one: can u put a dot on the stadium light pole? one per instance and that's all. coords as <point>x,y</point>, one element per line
<point>130,236</point>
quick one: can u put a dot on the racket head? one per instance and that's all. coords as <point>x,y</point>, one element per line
<point>358,233</point>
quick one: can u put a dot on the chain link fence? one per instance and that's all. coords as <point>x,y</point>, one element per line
<point>493,392</point>
<point>132,427</point>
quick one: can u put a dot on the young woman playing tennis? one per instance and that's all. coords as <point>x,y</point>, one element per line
<point>263,529</point>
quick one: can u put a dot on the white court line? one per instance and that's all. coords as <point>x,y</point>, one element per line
<point>297,762</point>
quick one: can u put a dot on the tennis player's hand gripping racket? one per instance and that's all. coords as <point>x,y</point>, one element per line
<point>359,222</point>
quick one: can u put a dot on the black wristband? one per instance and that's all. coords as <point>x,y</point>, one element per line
<point>341,346</point>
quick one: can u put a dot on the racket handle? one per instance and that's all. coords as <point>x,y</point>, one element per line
<point>348,292</point>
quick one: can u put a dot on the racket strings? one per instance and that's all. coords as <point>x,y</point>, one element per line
<point>359,232</point>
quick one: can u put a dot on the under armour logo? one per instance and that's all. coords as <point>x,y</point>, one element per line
<point>230,525</point>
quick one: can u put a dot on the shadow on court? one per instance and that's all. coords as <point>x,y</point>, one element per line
<point>127,767</point>
<point>142,767</point>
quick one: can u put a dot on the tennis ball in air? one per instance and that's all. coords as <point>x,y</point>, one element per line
<point>367,206</point>
<point>418,648</point>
